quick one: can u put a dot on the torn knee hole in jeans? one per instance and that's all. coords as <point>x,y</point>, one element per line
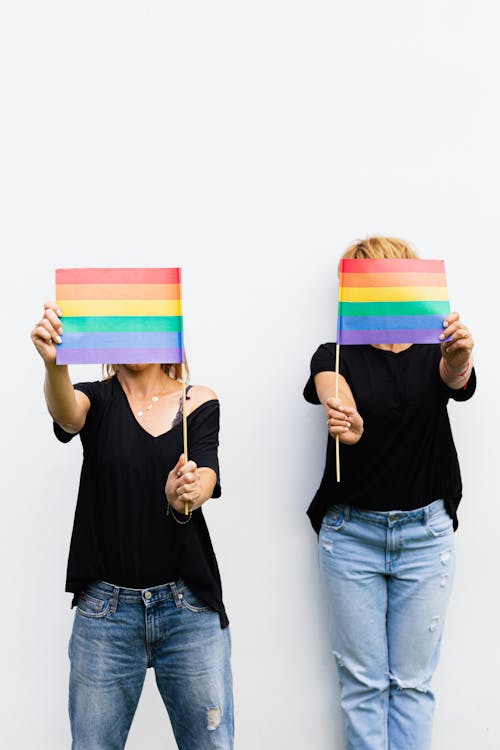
<point>445,557</point>
<point>340,660</point>
<point>408,684</point>
<point>434,623</point>
<point>214,716</point>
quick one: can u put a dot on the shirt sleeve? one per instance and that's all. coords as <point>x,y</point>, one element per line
<point>203,439</point>
<point>95,393</point>
<point>323,360</point>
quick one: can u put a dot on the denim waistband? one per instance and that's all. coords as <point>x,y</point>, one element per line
<point>172,590</point>
<point>392,517</point>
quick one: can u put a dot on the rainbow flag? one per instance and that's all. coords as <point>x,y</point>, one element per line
<point>391,301</point>
<point>120,315</point>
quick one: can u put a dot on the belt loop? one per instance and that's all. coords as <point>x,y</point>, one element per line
<point>114,599</point>
<point>347,512</point>
<point>176,596</point>
<point>426,515</point>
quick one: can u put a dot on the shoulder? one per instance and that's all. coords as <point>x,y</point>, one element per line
<point>326,349</point>
<point>96,390</point>
<point>199,395</point>
<point>323,359</point>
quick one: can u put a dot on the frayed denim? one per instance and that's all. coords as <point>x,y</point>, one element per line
<point>117,634</point>
<point>388,578</point>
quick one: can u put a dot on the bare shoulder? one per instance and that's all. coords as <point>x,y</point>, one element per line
<point>199,394</point>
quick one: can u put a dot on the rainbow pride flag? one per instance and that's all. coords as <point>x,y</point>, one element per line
<point>391,301</point>
<point>120,315</point>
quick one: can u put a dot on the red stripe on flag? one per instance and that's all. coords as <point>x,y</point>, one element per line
<point>391,265</point>
<point>118,276</point>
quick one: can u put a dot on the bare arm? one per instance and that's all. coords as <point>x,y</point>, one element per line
<point>455,366</point>
<point>66,406</point>
<point>343,418</point>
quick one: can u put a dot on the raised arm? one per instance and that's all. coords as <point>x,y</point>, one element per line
<point>455,366</point>
<point>67,407</point>
<point>343,418</point>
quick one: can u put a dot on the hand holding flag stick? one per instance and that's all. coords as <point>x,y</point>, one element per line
<point>184,427</point>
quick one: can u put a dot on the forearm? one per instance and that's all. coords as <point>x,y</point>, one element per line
<point>343,419</point>
<point>207,483</point>
<point>61,399</point>
<point>327,388</point>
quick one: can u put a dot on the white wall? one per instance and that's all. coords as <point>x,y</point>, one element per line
<point>249,143</point>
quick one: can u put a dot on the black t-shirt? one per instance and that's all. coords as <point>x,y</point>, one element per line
<point>122,533</point>
<point>406,457</point>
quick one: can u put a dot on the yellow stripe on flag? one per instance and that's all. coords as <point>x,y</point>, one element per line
<point>81,307</point>
<point>392,293</point>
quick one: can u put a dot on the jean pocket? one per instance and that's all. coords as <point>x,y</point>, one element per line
<point>189,600</point>
<point>439,524</point>
<point>334,518</point>
<point>92,606</point>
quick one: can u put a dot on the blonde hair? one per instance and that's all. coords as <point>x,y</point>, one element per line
<point>380,247</point>
<point>173,371</point>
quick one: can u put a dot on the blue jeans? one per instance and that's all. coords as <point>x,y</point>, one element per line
<point>117,634</point>
<point>388,578</point>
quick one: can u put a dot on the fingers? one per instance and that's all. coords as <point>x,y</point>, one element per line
<point>48,332</point>
<point>187,484</point>
<point>49,328</point>
<point>342,421</point>
<point>186,468</point>
<point>334,403</point>
<point>455,335</point>
<point>337,415</point>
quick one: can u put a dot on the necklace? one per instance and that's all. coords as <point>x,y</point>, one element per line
<point>154,400</point>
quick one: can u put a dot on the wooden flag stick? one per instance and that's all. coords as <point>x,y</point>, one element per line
<point>337,441</point>
<point>184,427</point>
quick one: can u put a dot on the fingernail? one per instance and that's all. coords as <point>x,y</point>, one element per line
<point>441,336</point>
<point>348,425</point>
<point>58,339</point>
<point>346,429</point>
<point>445,324</point>
<point>59,312</point>
<point>60,330</point>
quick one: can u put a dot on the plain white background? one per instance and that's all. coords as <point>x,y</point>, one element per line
<point>249,143</point>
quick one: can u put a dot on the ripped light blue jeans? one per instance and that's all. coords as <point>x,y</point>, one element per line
<point>387,578</point>
<point>117,634</point>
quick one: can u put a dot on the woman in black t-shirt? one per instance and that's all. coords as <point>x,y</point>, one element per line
<point>144,575</point>
<point>386,529</point>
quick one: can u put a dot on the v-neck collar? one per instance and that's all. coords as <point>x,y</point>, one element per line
<point>136,421</point>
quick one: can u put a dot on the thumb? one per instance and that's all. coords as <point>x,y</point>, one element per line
<point>334,403</point>
<point>180,463</point>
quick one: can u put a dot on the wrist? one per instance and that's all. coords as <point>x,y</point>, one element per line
<point>455,377</point>
<point>459,371</point>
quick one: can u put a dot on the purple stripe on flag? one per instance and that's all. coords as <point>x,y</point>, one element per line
<point>118,355</point>
<point>409,336</point>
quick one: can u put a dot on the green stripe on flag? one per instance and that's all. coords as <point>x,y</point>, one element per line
<point>137,323</point>
<point>424,307</point>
